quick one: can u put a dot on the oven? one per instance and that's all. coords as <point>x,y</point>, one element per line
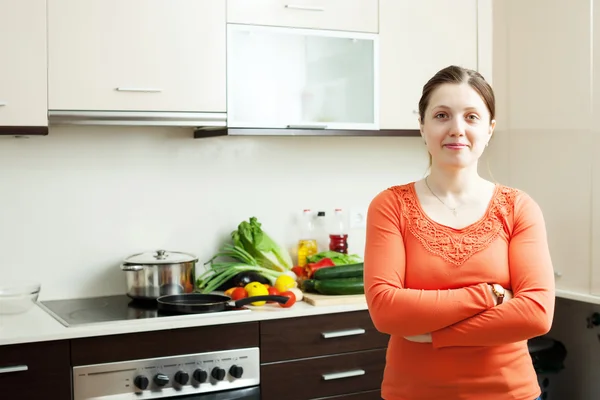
<point>220,375</point>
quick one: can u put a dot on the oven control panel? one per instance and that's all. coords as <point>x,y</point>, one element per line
<point>163,377</point>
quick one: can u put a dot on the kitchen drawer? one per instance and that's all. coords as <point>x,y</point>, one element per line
<point>39,371</point>
<point>304,337</point>
<point>142,345</point>
<point>323,376</point>
<point>343,15</point>
<point>370,395</point>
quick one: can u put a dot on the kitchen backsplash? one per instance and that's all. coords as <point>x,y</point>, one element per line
<point>75,203</point>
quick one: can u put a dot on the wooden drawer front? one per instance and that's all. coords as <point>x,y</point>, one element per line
<point>304,337</point>
<point>40,371</point>
<point>323,376</point>
<point>344,15</point>
<point>370,395</point>
<point>134,346</point>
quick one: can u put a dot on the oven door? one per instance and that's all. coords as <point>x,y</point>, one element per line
<point>251,393</point>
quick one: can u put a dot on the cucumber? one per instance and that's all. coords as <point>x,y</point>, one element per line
<point>340,271</point>
<point>335,286</point>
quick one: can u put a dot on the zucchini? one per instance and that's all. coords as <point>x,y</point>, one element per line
<point>335,286</point>
<point>340,271</point>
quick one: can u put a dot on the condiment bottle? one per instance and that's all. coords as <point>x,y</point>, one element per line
<point>307,245</point>
<point>338,236</point>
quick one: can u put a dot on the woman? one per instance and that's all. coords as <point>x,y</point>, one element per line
<point>457,269</point>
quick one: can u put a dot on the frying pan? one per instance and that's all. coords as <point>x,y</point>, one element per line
<point>194,303</point>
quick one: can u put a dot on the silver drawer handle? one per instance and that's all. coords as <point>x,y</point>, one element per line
<point>132,89</point>
<point>307,126</point>
<point>16,368</point>
<point>342,375</point>
<point>2,103</point>
<point>347,332</point>
<point>304,8</point>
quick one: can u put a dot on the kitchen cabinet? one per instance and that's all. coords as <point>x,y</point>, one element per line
<point>289,78</point>
<point>35,371</point>
<point>417,39</point>
<point>344,15</point>
<point>339,355</point>
<point>137,55</point>
<point>23,75</point>
<point>550,129</point>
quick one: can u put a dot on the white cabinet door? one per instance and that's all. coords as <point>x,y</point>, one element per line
<point>140,55</point>
<point>345,15</point>
<point>23,82</point>
<point>591,152</point>
<point>417,39</point>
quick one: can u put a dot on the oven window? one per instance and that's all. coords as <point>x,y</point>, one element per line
<point>252,393</point>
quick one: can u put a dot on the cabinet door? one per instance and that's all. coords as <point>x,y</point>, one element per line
<point>137,55</point>
<point>35,371</point>
<point>345,15</point>
<point>591,152</point>
<point>23,82</point>
<point>417,39</point>
<point>288,78</point>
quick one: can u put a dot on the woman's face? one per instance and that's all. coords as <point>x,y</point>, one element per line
<point>456,126</point>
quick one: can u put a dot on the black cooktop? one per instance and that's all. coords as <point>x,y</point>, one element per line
<point>93,310</point>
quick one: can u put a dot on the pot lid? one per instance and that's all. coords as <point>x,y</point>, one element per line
<point>160,257</point>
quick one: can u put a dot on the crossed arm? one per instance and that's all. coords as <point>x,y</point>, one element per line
<point>467,316</point>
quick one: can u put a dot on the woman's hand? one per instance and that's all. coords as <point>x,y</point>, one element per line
<point>424,338</point>
<point>508,295</point>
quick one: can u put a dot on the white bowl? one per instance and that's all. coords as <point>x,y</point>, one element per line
<point>18,298</point>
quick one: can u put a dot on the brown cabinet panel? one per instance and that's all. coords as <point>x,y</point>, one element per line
<point>41,371</point>
<point>315,377</point>
<point>304,337</point>
<point>370,395</point>
<point>134,346</point>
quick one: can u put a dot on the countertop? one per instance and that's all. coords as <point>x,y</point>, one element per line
<point>36,325</point>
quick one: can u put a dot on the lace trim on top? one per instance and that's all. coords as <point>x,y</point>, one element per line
<point>456,245</point>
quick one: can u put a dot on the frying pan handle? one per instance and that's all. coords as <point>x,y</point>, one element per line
<point>248,300</point>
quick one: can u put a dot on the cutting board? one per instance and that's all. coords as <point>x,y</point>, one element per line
<point>323,300</point>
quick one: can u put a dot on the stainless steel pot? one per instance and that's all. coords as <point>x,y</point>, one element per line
<point>153,274</point>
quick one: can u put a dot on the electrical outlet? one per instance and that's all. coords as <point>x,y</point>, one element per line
<point>358,218</point>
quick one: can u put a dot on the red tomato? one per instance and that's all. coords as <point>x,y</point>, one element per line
<point>239,293</point>
<point>291,299</point>
<point>272,292</point>
<point>299,271</point>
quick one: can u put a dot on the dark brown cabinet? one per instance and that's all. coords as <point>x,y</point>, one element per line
<point>340,355</point>
<point>35,371</point>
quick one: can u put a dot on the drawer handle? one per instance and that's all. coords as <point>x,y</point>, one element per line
<point>307,126</point>
<point>133,89</point>
<point>16,368</point>
<point>347,332</point>
<point>2,103</point>
<point>342,375</point>
<point>304,8</point>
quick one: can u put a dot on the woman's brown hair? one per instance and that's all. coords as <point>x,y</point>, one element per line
<point>457,75</point>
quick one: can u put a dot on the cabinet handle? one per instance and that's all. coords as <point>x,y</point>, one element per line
<point>307,126</point>
<point>16,368</point>
<point>557,274</point>
<point>304,8</point>
<point>344,374</point>
<point>347,332</point>
<point>2,103</point>
<point>132,89</point>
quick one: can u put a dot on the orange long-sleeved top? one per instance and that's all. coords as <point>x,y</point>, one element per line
<point>424,277</point>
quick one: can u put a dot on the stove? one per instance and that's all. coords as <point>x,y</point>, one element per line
<point>116,308</point>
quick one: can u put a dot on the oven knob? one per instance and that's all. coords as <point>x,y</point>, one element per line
<point>200,375</point>
<point>182,377</point>
<point>236,371</point>
<point>218,373</point>
<point>141,382</point>
<point>161,379</point>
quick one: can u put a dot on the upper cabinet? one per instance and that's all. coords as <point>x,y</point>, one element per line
<point>137,55</point>
<point>301,78</point>
<point>417,39</point>
<point>343,15</point>
<point>23,68</point>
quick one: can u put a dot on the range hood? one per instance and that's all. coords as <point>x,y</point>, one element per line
<point>197,120</point>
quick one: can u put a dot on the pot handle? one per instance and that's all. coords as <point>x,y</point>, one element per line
<point>248,300</point>
<point>131,267</point>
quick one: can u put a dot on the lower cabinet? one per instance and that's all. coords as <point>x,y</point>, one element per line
<point>35,371</point>
<point>339,356</point>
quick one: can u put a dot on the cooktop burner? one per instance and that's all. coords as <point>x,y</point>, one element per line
<point>93,310</point>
